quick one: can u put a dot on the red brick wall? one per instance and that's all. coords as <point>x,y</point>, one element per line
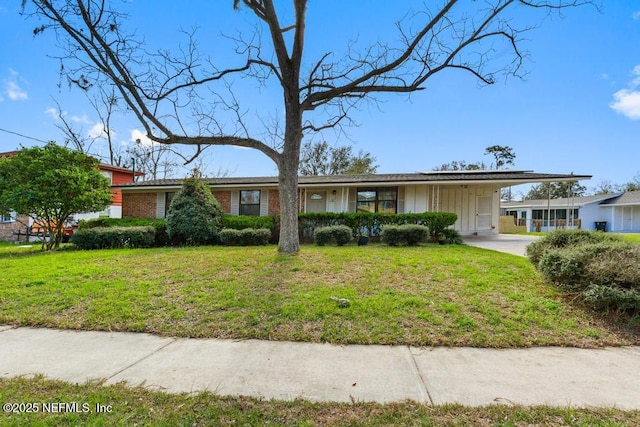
<point>224,198</point>
<point>7,229</point>
<point>139,205</point>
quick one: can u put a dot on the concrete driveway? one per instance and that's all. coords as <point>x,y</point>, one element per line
<point>514,244</point>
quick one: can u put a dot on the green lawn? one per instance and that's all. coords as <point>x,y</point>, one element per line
<point>428,295</point>
<point>630,237</point>
<point>137,406</point>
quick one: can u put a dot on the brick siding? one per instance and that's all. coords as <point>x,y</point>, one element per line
<point>139,205</point>
<point>7,229</point>
<point>224,198</point>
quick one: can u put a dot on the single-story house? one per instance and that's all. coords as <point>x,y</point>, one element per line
<point>473,195</point>
<point>614,212</point>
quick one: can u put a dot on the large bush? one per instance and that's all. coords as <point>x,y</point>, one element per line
<point>194,216</point>
<point>566,238</point>
<point>601,268</point>
<point>114,237</point>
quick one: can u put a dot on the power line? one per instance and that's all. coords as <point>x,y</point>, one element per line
<point>22,136</point>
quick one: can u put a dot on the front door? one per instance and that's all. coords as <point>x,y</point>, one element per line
<point>483,213</point>
<point>316,201</point>
<point>627,218</point>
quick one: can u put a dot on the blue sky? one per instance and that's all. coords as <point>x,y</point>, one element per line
<point>577,110</point>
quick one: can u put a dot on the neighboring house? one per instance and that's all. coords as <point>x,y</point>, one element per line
<point>473,195</point>
<point>613,212</point>
<point>14,227</point>
<point>117,176</point>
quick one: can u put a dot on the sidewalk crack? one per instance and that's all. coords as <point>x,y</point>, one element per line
<point>143,358</point>
<point>418,372</point>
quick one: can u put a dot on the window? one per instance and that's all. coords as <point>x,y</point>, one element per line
<point>250,202</point>
<point>8,217</point>
<point>555,214</point>
<point>168,197</point>
<point>381,200</point>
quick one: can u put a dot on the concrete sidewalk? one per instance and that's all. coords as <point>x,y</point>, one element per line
<point>322,372</point>
<point>514,244</point>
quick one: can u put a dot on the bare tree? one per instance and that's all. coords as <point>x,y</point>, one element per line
<point>160,87</point>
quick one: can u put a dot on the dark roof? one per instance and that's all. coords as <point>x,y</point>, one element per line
<point>628,198</point>
<point>440,177</point>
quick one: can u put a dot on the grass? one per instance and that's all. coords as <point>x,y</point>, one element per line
<point>630,237</point>
<point>423,296</point>
<point>138,406</point>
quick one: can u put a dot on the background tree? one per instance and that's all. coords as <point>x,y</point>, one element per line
<point>321,159</point>
<point>556,190</point>
<point>194,215</point>
<point>319,93</point>
<point>461,165</point>
<point>50,184</point>
<point>502,154</point>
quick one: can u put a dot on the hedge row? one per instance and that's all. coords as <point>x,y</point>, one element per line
<point>245,237</point>
<point>361,223</point>
<point>114,237</point>
<point>371,224</point>
<point>601,268</point>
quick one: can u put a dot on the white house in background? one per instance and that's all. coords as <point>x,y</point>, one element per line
<point>614,212</point>
<point>473,195</point>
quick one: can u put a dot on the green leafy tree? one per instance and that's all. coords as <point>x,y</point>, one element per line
<point>556,190</point>
<point>461,165</point>
<point>502,154</point>
<point>321,159</point>
<point>194,216</point>
<point>50,184</point>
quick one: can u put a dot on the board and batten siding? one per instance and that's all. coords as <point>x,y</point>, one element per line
<point>463,201</point>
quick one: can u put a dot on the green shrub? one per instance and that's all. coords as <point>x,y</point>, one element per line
<point>240,222</point>
<point>411,234</point>
<point>613,298</point>
<point>391,235</point>
<point>245,237</point>
<point>602,267</point>
<point>341,234</point>
<point>114,237</point>
<point>194,216</point>
<point>566,238</point>
<point>414,234</point>
<point>159,224</point>
<point>452,237</point>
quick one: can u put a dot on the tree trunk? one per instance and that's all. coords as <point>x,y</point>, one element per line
<point>288,180</point>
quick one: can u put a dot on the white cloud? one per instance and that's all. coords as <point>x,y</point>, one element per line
<point>15,92</point>
<point>51,112</point>
<point>12,89</point>
<point>136,135</point>
<point>81,119</point>
<point>627,101</point>
<point>636,15</point>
